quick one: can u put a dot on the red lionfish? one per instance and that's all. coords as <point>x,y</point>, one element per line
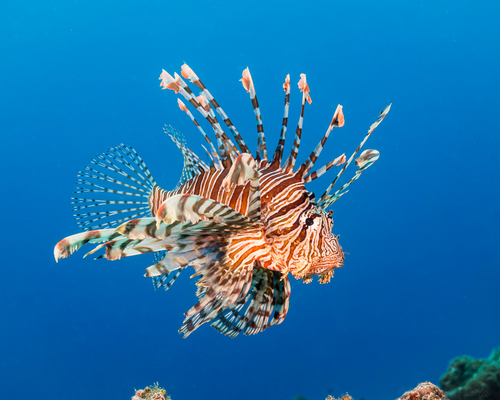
<point>243,223</point>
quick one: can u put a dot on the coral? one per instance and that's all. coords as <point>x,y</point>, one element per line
<point>151,393</point>
<point>468,378</point>
<point>424,391</point>
<point>344,397</point>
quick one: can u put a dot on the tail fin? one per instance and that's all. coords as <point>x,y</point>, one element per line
<point>117,186</point>
<point>114,187</point>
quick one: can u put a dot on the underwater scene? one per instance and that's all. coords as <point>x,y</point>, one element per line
<point>250,200</point>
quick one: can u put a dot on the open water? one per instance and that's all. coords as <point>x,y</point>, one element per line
<point>421,281</point>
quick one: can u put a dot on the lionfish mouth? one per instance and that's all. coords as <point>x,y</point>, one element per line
<point>322,266</point>
<point>325,266</point>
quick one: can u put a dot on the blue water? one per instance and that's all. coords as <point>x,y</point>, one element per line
<point>420,282</point>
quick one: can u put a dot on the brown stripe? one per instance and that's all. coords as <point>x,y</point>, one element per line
<point>218,183</point>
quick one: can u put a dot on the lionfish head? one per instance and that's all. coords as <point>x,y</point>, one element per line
<point>325,252</point>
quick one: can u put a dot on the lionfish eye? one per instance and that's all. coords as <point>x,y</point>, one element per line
<point>309,221</point>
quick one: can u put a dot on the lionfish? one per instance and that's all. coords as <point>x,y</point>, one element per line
<point>243,222</point>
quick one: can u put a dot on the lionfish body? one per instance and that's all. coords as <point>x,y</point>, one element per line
<point>243,223</point>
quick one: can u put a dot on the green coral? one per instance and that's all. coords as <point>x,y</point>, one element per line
<point>473,379</point>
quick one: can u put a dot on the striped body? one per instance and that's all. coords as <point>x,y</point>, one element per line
<point>243,223</point>
<point>293,245</point>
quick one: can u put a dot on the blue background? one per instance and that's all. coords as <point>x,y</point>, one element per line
<point>421,281</point>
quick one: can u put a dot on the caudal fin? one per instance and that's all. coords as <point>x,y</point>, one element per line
<point>114,187</point>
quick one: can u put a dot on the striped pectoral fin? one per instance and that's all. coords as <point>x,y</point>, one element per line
<point>141,235</point>
<point>227,280</point>
<point>70,244</point>
<point>184,242</point>
<point>265,304</point>
<point>165,281</point>
<point>190,207</point>
<point>177,258</point>
<point>139,228</point>
<point>143,228</point>
<point>214,298</point>
<point>252,312</point>
<point>281,299</point>
<point>259,308</point>
<point>125,247</point>
<point>181,251</point>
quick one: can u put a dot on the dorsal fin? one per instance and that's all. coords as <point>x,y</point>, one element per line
<point>178,85</point>
<point>210,116</point>
<point>278,153</point>
<point>304,88</point>
<point>188,73</point>
<point>326,200</point>
<point>364,161</point>
<point>246,80</point>
<point>214,155</point>
<point>337,121</point>
<point>316,174</point>
<point>193,165</point>
<point>228,145</point>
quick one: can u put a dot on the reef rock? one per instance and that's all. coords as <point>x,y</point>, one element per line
<point>468,378</point>
<point>151,393</point>
<point>424,391</point>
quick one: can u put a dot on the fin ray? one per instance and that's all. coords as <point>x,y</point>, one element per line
<point>188,73</point>
<point>120,167</point>
<point>304,88</point>
<point>278,153</point>
<point>261,154</point>
<point>337,121</point>
<point>323,199</point>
